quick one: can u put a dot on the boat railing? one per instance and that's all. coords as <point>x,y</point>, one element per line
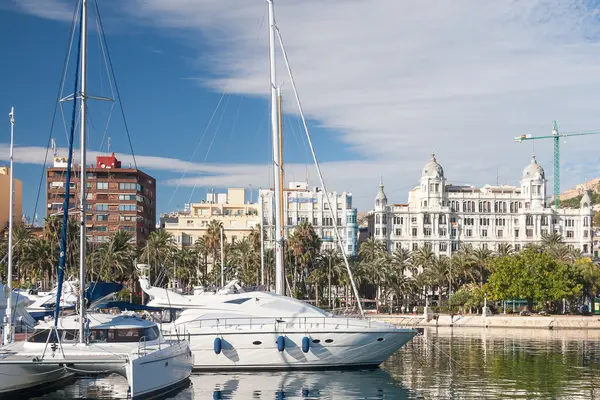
<point>292,322</point>
<point>142,346</point>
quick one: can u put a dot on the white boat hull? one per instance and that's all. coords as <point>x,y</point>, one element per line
<point>327,349</point>
<point>159,370</point>
<point>16,378</point>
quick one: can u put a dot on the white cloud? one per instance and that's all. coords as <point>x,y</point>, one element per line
<point>399,79</point>
<point>58,10</point>
<point>395,80</point>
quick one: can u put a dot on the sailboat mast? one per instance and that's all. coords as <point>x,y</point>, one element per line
<point>8,316</point>
<point>82,178</point>
<point>279,275</point>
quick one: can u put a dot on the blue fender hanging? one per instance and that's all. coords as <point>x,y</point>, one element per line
<point>217,345</point>
<point>280,343</point>
<point>305,344</point>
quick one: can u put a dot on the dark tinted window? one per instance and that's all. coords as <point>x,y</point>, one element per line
<point>132,334</point>
<point>40,336</point>
<point>97,335</point>
<point>238,301</point>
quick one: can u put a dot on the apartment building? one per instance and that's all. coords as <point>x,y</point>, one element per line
<point>117,198</point>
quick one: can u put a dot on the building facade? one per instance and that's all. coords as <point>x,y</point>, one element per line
<point>230,209</point>
<point>116,198</point>
<point>443,216</point>
<point>5,199</point>
<point>301,204</point>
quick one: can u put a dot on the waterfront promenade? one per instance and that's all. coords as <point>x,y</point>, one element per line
<point>494,321</point>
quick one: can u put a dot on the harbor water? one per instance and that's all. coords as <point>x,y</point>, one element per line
<point>443,363</point>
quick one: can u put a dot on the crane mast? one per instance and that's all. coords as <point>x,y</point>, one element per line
<point>555,136</point>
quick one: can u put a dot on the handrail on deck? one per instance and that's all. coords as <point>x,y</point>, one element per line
<point>299,321</point>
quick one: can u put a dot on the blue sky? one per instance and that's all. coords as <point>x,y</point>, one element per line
<point>383,82</point>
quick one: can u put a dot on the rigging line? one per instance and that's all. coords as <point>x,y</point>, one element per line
<point>99,64</point>
<point>223,94</point>
<point>291,126</point>
<point>115,81</point>
<point>312,149</point>
<point>211,143</point>
<point>112,106</point>
<point>237,114</point>
<point>58,95</point>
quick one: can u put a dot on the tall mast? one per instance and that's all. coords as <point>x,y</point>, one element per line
<point>8,328</point>
<point>222,258</point>
<point>262,240</point>
<point>281,184</point>
<point>279,275</point>
<point>82,178</point>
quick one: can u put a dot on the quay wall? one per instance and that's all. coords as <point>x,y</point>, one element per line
<point>494,321</point>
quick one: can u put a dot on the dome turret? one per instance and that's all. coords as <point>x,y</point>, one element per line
<point>533,170</point>
<point>432,169</point>
<point>586,200</point>
<point>381,198</point>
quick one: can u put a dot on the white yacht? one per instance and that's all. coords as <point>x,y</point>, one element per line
<point>125,344</point>
<point>263,330</point>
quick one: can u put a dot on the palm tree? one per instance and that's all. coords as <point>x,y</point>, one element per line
<point>401,260</point>
<point>590,278</point>
<point>504,249</point>
<point>40,260</point>
<point>158,249</point>
<point>202,252</point>
<point>114,258</point>
<point>481,257</point>
<point>464,268</point>
<point>421,259</point>
<point>243,255</point>
<point>438,274</point>
<point>370,250</point>
<point>331,261</point>
<point>304,244</point>
<point>21,242</point>
<point>551,240</point>
<point>213,240</point>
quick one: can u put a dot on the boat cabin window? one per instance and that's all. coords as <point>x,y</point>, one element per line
<point>125,335</point>
<point>132,334</point>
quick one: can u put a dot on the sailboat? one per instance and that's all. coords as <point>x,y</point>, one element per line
<point>263,330</point>
<point>97,343</point>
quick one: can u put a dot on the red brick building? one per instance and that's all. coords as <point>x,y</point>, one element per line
<point>117,198</point>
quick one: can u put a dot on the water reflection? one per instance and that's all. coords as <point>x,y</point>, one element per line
<point>366,384</point>
<point>442,364</point>
<point>499,363</point>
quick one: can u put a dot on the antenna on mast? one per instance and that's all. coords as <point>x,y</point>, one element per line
<point>54,150</point>
<point>108,145</point>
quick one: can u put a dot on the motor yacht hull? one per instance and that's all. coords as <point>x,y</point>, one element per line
<point>253,350</point>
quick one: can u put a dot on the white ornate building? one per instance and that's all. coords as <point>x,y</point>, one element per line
<point>301,204</point>
<point>443,216</point>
